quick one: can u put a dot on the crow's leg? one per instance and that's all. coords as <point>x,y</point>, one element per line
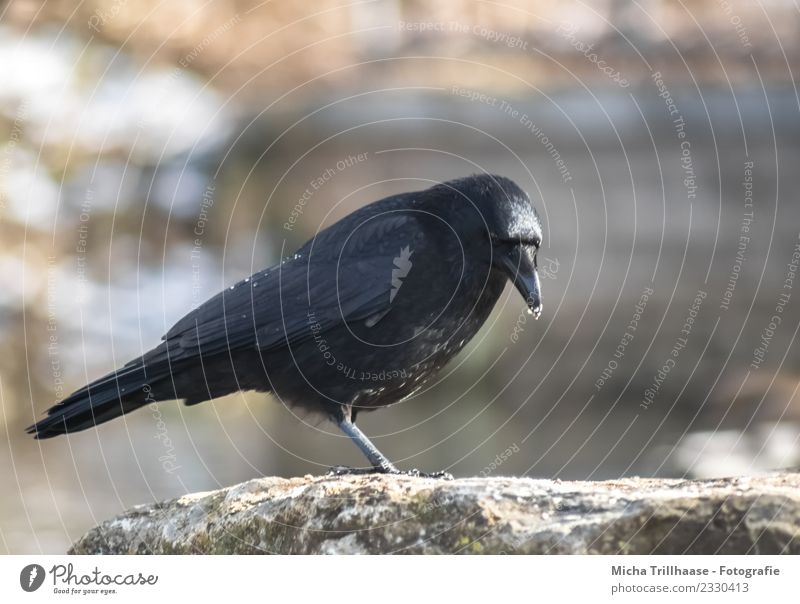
<point>380,463</point>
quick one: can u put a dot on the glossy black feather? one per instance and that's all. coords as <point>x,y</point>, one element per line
<point>363,315</point>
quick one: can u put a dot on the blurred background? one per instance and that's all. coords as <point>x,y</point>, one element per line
<point>152,153</point>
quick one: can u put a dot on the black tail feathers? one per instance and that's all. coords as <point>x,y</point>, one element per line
<point>102,400</point>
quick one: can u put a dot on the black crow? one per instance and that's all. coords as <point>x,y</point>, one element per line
<point>362,316</point>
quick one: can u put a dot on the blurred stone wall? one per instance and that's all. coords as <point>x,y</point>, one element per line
<point>269,46</point>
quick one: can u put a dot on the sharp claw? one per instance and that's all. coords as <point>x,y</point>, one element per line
<point>348,471</point>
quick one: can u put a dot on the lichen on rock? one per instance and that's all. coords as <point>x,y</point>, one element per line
<point>371,514</point>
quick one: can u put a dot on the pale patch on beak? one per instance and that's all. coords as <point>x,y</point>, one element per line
<point>519,265</point>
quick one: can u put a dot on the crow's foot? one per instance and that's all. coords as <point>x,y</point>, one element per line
<point>348,471</point>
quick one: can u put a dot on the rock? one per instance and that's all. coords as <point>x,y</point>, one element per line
<point>402,514</point>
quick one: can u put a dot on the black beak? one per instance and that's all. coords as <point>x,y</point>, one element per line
<point>519,264</point>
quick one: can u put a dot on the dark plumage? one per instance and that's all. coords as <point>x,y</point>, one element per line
<point>359,318</point>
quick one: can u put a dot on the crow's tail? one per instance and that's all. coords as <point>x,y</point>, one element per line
<point>120,392</point>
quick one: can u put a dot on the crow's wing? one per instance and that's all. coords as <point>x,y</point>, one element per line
<point>333,279</point>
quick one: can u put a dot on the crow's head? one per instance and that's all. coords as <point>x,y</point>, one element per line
<point>497,223</point>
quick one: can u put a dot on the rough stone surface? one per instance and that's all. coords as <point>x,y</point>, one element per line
<point>401,514</point>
